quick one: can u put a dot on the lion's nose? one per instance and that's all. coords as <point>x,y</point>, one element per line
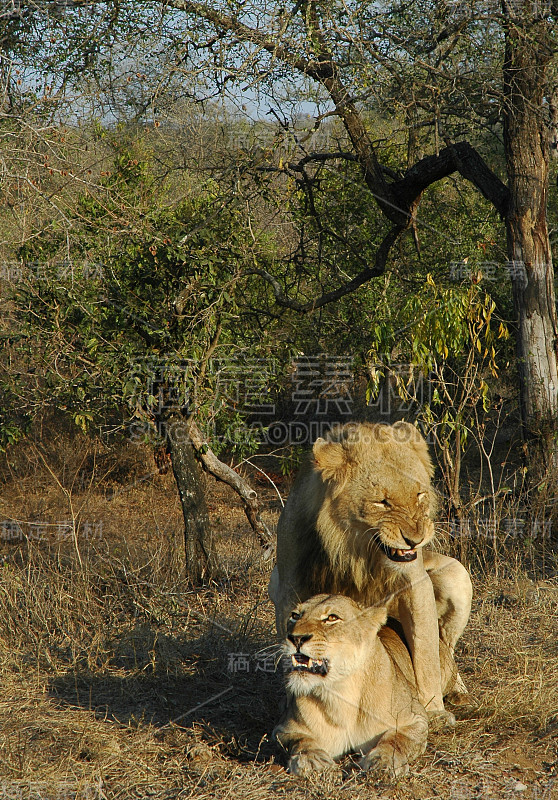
<point>298,641</point>
<point>413,543</point>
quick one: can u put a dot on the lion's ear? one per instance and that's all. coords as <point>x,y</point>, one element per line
<point>405,432</point>
<point>330,459</point>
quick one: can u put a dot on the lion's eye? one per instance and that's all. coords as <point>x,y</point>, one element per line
<point>384,503</point>
<point>332,618</point>
<point>295,615</point>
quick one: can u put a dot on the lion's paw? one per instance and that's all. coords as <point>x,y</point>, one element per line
<point>459,699</point>
<point>388,761</point>
<point>313,761</point>
<point>441,720</point>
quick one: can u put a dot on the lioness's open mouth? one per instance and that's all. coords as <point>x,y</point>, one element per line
<point>395,554</point>
<point>302,663</point>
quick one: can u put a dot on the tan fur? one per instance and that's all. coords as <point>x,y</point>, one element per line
<point>368,487</point>
<point>366,703</point>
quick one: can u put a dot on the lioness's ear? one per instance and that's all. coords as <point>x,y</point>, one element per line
<point>405,432</point>
<point>330,459</point>
<point>376,616</point>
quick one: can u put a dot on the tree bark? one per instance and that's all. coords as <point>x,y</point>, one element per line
<point>552,99</point>
<point>199,551</point>
<point>527,55</point>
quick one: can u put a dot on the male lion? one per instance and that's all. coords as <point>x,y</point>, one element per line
<point>355,523</point>
<point>351,687</point>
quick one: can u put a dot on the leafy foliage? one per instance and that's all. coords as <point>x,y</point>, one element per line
<point>146,293</point>
<point>448,337</point>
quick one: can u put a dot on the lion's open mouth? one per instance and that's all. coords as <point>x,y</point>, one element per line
<point>395,554</point>
<point>302,663</point>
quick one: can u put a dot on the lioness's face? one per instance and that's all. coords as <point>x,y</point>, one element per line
<point>378,489</point>
<point>328,638</point>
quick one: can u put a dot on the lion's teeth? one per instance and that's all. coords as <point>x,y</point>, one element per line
<point>401,553</point>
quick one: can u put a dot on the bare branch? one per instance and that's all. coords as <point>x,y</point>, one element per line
<point>224,22</point>
<point>329,297</point>
<point>297,166</point>
<point>224,473</point>
<point>461,157</point>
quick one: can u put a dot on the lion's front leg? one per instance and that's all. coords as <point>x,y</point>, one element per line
<point>453,592</point>
<point>418,615</point>
<point>284,597</point>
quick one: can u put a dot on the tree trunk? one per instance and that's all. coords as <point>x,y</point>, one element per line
<point>528,50</point>
<point>198,541</point>
<point>552,99</point>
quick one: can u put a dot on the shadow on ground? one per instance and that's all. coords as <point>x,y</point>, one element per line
<point>222,687</point>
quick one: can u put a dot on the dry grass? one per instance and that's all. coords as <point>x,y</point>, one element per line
<point>100,653</point>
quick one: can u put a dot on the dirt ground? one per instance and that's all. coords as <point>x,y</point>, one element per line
<point>120,681</point>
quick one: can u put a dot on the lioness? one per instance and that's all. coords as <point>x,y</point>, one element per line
<point>351,687</point>
<point>355,523</point>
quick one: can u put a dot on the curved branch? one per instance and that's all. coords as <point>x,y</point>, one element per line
<point>224,473</point>
<point>329,297</point>
<point>462,158</point>
<point>397,200</point>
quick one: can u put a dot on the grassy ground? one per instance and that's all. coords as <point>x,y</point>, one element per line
<point>120,681</point>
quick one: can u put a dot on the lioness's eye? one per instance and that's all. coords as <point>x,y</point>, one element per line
<point>332,618</point>
<point>295,615</point>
